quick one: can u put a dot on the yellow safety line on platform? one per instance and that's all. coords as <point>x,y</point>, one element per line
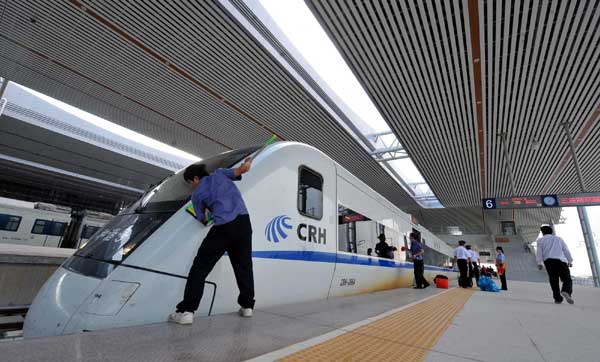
<point>407,335</point>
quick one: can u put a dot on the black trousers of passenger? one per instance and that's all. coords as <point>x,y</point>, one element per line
<point>419,268</point>
<point>235,238</point>
<point>557,269</point>
<point>475,270</point>
<point>464,272</point>
<point>470,274</point>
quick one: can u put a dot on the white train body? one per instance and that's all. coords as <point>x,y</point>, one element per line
<point>133,270</point>
<point>40,224</point>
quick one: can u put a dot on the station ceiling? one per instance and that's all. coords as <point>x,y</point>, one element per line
<point>205,88</point>
<point>455,78</point>
<point>448,78</point>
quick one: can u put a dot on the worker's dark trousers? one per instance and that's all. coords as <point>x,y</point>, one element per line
<point>235,238</point>
<point>475,269</point>
<point>503,280</point>
<point>556,269</point>
<point>463,268</point>
<point>419,268</point>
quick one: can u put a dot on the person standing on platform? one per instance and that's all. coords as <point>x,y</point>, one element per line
<point>417,252</point>
<point>231,233</point>
<point>553,252</point>
<point>474,267</point>
<point>461,258</point>
<point>501,266</point>
<point>383,249</point>
<point>469,266</point>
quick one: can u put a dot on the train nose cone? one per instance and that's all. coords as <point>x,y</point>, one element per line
<point>57,301</point>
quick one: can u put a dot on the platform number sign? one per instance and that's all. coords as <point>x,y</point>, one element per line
<point>489,204</point>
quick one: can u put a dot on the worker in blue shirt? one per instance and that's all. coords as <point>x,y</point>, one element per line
<point>417,252</point>
<point>231,233</point>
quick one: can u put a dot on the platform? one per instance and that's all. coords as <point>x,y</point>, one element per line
<point>24,269</point>
<point>522,324</point>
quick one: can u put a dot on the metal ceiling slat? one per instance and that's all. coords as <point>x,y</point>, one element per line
<point>75,61</point>
<point>548,94</point>
<point>541,42</point>
<point>519,139</point>
<point>424,124</point>
<point>140,126</point>
<point>442,84</point>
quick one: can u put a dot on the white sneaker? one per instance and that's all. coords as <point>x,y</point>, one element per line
<point>246,312</point>
<point>568,297</point>
<point>181,318</point>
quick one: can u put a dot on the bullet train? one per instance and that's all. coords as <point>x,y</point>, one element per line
<point>42,224</point>
<point>313,225</point>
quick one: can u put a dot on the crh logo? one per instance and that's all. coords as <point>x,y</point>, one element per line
<point>275,228</point>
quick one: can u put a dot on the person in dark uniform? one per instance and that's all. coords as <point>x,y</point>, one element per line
<point>231,233</point>
<point>383,249</point>
<point>470,266</point>
<point>417,252</point>
<point>462,259</point>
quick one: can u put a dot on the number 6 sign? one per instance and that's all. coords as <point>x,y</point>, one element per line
<point>489,203</point>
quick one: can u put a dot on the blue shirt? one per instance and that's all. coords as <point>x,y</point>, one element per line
<point>500,258</point>
<point>415,247</point>
<point>218,193</point>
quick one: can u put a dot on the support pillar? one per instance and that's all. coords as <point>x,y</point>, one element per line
<point>588,238</point>
<point>589,244</point>
<point>3,86</point>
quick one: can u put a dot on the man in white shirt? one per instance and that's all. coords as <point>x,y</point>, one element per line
<point>462,259</point>
<point>553,252</point>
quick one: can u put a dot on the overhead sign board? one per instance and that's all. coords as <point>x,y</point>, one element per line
<point>515,202</point>
<point>562,200</point>
<point>587,199</point>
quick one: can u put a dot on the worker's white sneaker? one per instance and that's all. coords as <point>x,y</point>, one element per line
<point>568,297</point>
<point>246,312</point>
<point>181,318</point>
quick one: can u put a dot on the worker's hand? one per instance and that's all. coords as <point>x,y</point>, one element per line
<point>540,267</point>
<point>244,167</point>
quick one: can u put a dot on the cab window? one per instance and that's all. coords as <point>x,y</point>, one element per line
<point>310,193</point>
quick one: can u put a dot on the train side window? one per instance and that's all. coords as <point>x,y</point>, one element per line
<point>47,227</point>
<point>310,193</point>
<point>88,231</point>
<point>9,222</point>
<point>40,226</point>
<point>57,228</point>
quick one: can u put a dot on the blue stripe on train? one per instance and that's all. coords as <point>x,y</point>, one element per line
<point>327,257</point>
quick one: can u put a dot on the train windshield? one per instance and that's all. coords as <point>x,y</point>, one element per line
<point>112,244</point>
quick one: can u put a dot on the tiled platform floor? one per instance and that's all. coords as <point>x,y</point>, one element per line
<point>524,324</point>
